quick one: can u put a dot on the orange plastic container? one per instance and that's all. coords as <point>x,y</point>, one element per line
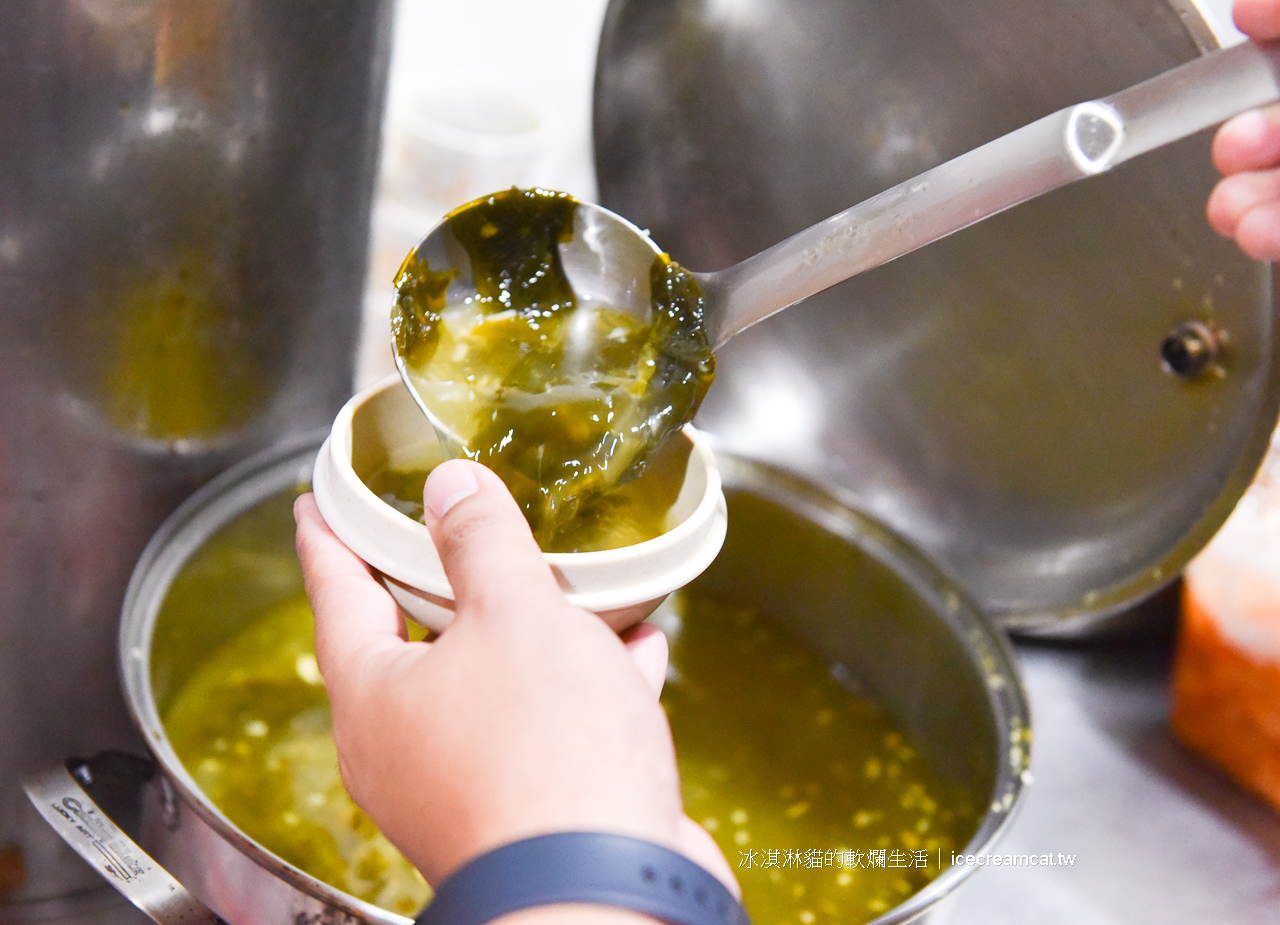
<point>1226,682</point>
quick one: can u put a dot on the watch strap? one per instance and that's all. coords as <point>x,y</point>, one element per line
<point>583,867</point>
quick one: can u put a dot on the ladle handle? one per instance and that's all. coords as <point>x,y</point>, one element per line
<point>1195,96</point>
<point>74,815</point>
<point>1067,145</point>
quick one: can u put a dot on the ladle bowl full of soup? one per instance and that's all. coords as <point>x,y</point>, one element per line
<point>845,721</point>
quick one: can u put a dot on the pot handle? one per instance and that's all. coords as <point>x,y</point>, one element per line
<point>60,797</point>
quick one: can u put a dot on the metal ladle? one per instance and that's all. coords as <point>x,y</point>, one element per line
<point>608,259</point>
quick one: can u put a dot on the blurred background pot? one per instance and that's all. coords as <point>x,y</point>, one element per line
<point>1013,399</point>
<point>184,200</point>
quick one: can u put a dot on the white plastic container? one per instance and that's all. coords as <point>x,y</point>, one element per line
<point>621,585</point>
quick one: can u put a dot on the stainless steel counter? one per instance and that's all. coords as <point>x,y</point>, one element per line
<point>1158,834</point>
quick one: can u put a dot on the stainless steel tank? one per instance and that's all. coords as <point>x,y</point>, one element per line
<point>1013,398</point>
<point>185,189</point>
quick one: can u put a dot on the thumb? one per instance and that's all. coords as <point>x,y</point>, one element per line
<point>489,554</point>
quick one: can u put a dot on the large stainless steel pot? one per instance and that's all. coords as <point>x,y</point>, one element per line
<point>998,397</point>
<point>184,197</point>
<point>851,589</point>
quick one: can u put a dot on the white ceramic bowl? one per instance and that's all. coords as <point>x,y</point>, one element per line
<point>383,425</point>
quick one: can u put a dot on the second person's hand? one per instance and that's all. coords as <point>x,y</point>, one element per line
<point>1245,205</point>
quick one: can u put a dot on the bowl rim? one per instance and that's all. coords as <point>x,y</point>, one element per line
<point>337,485</point>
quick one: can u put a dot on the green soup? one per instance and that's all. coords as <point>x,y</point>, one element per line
<point>624,515</point>
<point>823,808</point>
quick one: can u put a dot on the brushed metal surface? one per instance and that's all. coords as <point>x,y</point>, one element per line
<point>997,397</point>
<point>184,201</point>
<point>1155,832</point>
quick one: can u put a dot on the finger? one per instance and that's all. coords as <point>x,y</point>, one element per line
<point>647,646</point>
<point>1258,231</point>
<point>1249,141</point>
<point>489,555</point>
<point>352,611</point>
<point>1259,19</point>
<point>1237,195</point>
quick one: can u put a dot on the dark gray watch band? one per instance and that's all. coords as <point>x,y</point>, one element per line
<point>583,867</point>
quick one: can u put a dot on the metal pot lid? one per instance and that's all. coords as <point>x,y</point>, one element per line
<point>1023,400</point>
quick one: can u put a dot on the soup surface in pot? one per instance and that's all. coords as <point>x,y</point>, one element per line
<point>252,727</point>
<point>823,808</point>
